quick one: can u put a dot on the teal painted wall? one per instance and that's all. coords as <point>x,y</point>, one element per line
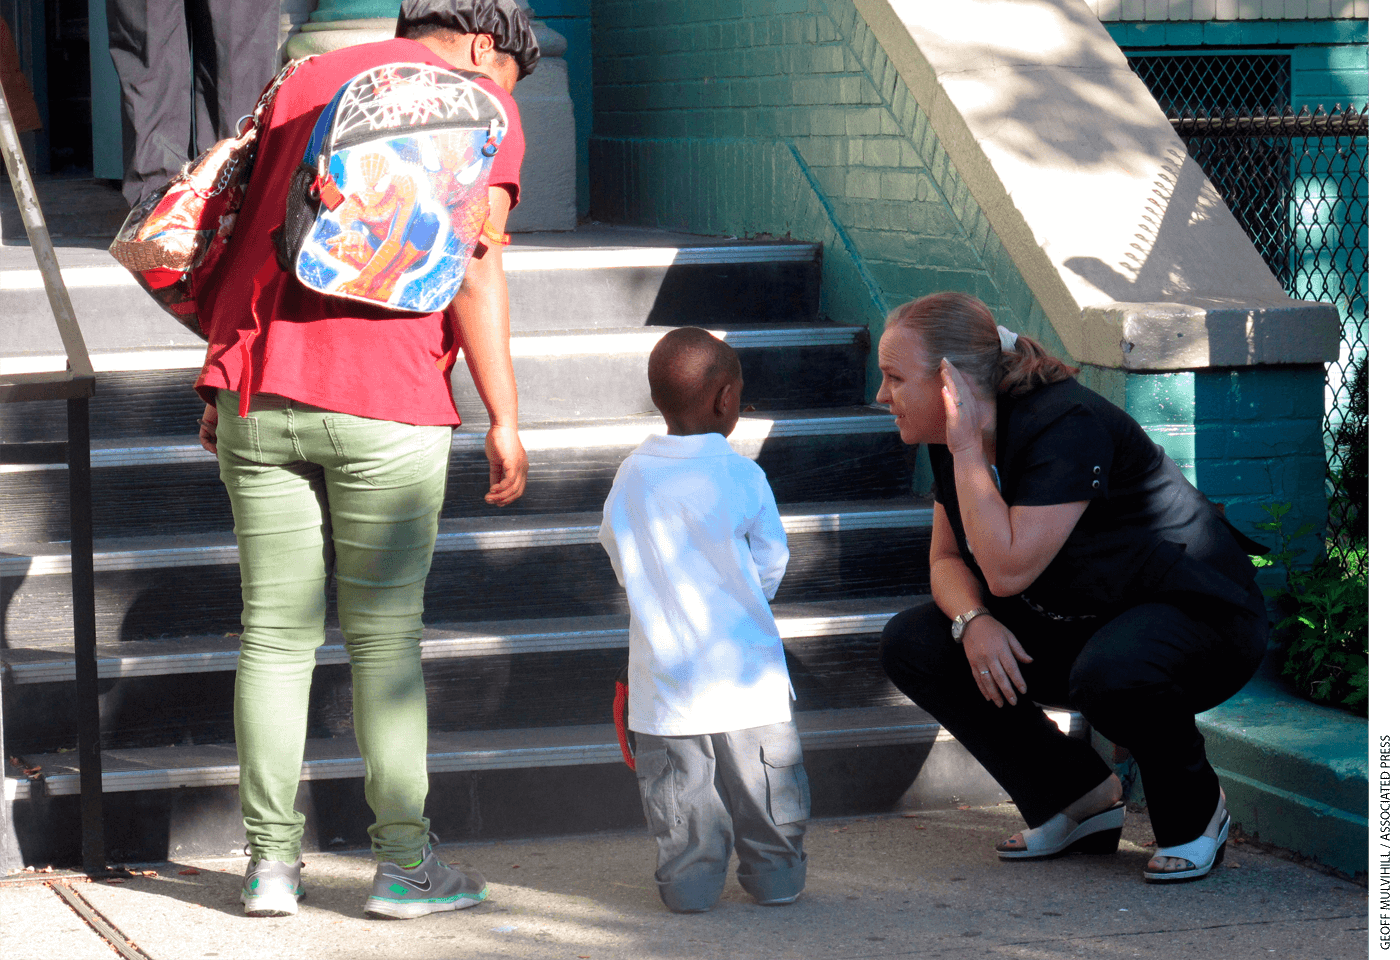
<point>785,118</point>
<point>1246,437</point>
<point>106,98</point>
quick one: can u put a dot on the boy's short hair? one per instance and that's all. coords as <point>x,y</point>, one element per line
<point>686,366</point>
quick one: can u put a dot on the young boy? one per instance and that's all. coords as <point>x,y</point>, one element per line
<point>695,538</point>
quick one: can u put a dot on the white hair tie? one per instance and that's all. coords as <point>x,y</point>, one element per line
<point>1008,338</point>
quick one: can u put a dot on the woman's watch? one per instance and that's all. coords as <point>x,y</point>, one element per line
<point>960,623</point>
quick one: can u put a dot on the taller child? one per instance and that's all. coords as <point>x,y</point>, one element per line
<point>342,460</point>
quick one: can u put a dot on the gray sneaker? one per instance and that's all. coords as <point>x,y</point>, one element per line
<point>432,886</point>
<point>271,888</point>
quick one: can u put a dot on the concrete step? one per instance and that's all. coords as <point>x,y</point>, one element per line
<point>579,375</point>
<point>480,676</point>
<point>1295,773</point>
<point>172,485</point>
<point>484,568</point>
<point>336,758</point>
<point>596,277</point>
<point>77,212</point>
<point>483,786</point>
<point>24,666</point>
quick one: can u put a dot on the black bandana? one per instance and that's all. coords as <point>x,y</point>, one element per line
<point>502,19</point>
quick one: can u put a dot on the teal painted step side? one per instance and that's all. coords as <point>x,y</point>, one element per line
<point>1247,437</point>
<point>1295,773</point>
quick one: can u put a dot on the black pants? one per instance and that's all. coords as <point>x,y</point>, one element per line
<point>1139,678</point>
<point>175,106</point>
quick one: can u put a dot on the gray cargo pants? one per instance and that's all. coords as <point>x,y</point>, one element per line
<point>707,795</point>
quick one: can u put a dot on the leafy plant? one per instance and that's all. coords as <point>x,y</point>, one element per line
<point>1349,481</point>
<point>1325,623</point>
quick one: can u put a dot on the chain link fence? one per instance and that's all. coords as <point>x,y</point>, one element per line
<point>1297,182</point>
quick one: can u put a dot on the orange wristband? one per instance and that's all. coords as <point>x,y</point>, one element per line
<point>495,236</point>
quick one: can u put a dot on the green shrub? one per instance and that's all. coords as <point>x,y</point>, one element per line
<point>1325,622</point>
<point>1349,481</point>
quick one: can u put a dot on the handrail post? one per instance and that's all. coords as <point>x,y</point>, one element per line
<point>76,386</point>
<point>85,637</point>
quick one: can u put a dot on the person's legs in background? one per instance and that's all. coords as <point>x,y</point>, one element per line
<point>150,48</point>
<point>235,55</point>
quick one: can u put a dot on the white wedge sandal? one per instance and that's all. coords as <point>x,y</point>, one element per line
<point>1060,835</point>
<point>1203,854</point>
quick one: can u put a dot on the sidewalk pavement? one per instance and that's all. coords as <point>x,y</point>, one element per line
<point>925,885</point>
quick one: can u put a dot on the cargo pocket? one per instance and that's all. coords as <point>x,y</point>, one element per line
<point>789,796</point>
<point>658,784</point>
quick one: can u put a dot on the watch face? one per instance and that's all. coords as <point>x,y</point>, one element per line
<point>958,625</point>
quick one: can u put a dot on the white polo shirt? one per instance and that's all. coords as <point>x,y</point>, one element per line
<point>694,536</point>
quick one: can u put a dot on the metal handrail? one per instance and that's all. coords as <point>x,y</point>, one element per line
<point>1286,123</point>
<point>75,385</point>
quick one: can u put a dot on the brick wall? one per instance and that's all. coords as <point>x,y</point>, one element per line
<point>786,118</point>
<point>1247,437</point>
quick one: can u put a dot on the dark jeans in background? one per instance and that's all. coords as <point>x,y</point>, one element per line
<point>184,63</point>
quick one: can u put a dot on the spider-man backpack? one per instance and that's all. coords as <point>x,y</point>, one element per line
<point>390,197</point>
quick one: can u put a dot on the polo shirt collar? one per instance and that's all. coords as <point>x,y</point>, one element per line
<point>684,448</point>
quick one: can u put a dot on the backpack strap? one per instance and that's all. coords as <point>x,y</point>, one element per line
<point>268,94</point>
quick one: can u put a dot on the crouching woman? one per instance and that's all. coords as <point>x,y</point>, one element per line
<point>1073,565</point>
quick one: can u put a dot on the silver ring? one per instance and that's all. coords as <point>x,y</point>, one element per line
<point>986,672</point>
<point>958,403</point>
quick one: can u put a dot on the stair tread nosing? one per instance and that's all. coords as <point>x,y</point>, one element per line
<point>211,654</point>
<point>459,534</point>
<point>158,768</point>
<point>186,361</point>
<point>536,437</point>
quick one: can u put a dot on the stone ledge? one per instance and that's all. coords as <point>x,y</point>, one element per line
<point>1296,773</point>
<point>1208,332</point>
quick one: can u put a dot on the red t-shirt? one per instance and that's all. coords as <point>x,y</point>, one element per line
<point>338,354</point>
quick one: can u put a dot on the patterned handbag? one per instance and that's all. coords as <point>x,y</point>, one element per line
<point>172,240</point>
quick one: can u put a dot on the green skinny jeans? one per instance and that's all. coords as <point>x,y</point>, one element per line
<point>314,491</point>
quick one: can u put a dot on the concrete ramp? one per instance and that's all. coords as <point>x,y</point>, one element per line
<point>1127,246</point>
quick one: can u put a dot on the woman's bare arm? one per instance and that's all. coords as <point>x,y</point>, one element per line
<point>993,652</point>
<point>1013,545</point>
